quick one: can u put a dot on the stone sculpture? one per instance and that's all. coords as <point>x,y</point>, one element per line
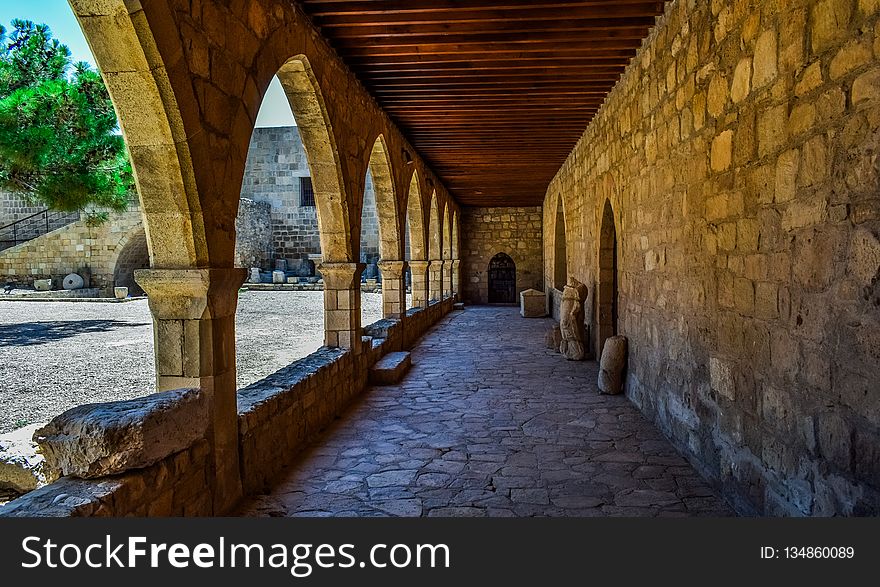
<point>571,320</point>
<point>612,365</point>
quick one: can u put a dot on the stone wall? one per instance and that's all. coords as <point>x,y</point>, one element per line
<point>276,162</point>
<point>740,156</point>
<point>13,207</point>
<point>75,248</point>
<point>253,234</point>
<point>485,232</point>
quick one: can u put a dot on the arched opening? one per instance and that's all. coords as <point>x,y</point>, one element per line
<point>560,261</point>
<point>502,280</point>
<point>307,104</point>
<point>607,290</point>
<point>434,251</point>
<point>132,256</point>
<point>416,251</point>
<point>380,235</point>
<point>447,254</point>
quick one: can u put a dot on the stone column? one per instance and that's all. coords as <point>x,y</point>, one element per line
<point>393,289</point>
<point>194,333</point>
<point>447,278</point>
<point>456,276</point>
<point>435,276</point>
<point>342,304</point>
<point>419,273</point>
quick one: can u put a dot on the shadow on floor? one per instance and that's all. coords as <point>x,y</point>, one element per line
<point>35,333</point>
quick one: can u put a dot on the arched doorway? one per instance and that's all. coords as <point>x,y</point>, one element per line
<point>502,280</point>
<point>134,255</point>
<point>560,263</point>
<point>607,294</point>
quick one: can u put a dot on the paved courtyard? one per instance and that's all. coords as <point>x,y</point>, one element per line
<point>490,422</point>
<point>57,355</point>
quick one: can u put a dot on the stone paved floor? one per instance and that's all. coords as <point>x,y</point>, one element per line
<point>490,422</point>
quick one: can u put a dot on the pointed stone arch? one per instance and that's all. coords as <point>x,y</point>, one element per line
<point>390,243</point>
<point>455,240</point>
<point>434,235</point>
<point>307,103</point>
<point>447,233</point>
<point>416,219</point>
<point>152,124</point>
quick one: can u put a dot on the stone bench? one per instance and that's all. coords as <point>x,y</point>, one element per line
<point>391,368</point>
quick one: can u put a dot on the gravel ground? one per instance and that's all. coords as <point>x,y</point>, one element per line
<point>56,355</point>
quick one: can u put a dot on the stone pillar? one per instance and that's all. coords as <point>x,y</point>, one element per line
<point>393,288</point>
<point>194,333</point>
<point>435,277</point>
<point>456,276</point>
<point>342,304</point>
<point>419,274</point>
<point>447,278</point>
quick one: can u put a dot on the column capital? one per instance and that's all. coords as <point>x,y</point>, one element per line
<point>392,269</point>
<point>456,263</point>
<point>191,294</point>
<point>341,275</point>
<point>435,263</point>
<point>419,265</point>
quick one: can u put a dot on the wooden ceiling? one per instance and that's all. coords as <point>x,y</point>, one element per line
<point>494,94</point>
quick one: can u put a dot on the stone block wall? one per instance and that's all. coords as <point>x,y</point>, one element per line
<point>739,153</point>
<point>485,232</point>
<point>75,248</point>
<point>253,234</point>
<point>179,485</point>
<point>276,162</point>
<point>13,207</point>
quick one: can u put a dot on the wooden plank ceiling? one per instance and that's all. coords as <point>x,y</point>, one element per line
<point>494,94</point>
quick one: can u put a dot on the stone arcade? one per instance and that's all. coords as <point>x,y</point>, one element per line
<point>709,170</point>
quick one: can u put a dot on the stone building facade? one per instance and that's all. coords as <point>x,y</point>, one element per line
<point>277,173</point>
<point>727,196</point>
<point>486,232</point>
<point>272,224</point>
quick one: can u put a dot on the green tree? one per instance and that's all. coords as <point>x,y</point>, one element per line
<point>59,139</point>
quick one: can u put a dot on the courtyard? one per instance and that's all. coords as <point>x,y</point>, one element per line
<point>57,355</point>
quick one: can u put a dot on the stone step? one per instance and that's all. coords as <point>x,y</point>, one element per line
<point>391,368</point>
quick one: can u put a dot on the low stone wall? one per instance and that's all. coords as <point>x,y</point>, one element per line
<point>281,414</point>
<point>176,486</point>
<point>278,417</point>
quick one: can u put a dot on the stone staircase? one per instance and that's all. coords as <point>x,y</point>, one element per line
<point>33,226</point>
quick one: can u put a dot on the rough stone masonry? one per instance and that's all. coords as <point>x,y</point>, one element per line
<point>739,153</point>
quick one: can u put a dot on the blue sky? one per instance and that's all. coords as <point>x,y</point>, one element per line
<point>58,15</point>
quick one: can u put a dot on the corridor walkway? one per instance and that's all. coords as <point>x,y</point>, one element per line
<point>490,422</point>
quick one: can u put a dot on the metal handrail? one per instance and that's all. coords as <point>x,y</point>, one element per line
<point>33,226</point>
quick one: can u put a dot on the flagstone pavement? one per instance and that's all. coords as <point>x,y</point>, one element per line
<point>489,422</point>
